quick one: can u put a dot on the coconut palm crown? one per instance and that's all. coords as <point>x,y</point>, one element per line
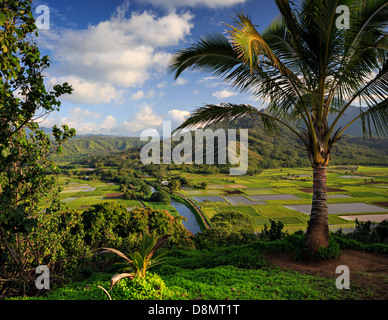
<point>309,71</point>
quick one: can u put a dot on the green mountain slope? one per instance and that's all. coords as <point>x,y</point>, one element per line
<point>265,151</point>
<point>86,146</point>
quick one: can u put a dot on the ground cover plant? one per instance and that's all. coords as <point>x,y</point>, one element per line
<point>107,202</point>
<point>239,272</point>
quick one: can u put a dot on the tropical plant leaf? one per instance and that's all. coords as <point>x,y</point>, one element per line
<point>158,244</point>
<point>228,113</point>
<point>249,44</point>
<point>120,254</point>
<point>117,277</point>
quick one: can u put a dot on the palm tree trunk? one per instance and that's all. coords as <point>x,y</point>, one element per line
<point>318,229</point>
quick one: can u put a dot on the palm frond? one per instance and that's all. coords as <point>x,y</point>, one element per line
<point>364,48</point>
<point>228,113</point>
<point>376,118</point>
<point>249,44</point>
<point>211,53</point>
<point>373,93</point>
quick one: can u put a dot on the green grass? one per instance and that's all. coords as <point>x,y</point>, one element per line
<point>251,210</point>
<point>277,181</point>
<point>234,273</point>
<point>162,206</point>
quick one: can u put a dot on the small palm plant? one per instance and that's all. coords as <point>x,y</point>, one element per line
<point>139,261</point>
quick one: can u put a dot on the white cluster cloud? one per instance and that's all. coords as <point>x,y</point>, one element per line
<point>110,62</point>
<point>83,120</point>
<point>172,4</point>
<point>145,118</point>
<point>223,94</point>
<point>88,91</point>
<point>104,60</point>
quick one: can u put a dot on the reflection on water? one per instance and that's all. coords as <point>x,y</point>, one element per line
<point>191,223</point>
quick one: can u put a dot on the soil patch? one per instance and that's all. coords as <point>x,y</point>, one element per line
<point>233,191</point>
<point>383,204</point>
<point>310,190</point>
<point>235,186</point>
<point>367,217</point>
<point>209,198</point>
<point>241,200</point>
<point>114,195</point>
<point>334,208</point>
<point>365,268</point>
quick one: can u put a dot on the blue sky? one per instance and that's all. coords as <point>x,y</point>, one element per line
<point>115,55</point>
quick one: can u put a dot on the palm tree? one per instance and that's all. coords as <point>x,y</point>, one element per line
<point>307,70</point>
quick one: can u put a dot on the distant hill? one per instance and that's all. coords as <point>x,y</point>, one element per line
<point>265,151</point>
<point>92,145</point>
<point>355,129</point>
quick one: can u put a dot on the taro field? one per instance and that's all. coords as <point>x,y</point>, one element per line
<point>354,192</point>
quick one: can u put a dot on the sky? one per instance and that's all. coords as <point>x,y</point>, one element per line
<point>115,54</point>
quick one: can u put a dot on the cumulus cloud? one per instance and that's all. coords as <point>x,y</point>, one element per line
<point>213,4</point>
<point>137,95</point>
<point>117,54</point>
<point>223,94</point>
<point>89,91</point>
<point>84,121</point>
<point>108,123</point>
<point>180,82</point>
<point>178,115</point>
<point>145,118</point>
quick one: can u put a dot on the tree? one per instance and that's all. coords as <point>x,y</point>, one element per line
<point>160,196</point>
<point>308,70</point>
<point>228,228</point>
<point>25,168</point>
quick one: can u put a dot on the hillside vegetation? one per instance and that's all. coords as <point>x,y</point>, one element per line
<point>265,151</point>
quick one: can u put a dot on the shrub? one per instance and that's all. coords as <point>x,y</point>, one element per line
<point>274,233</point>
<point>228,228</point>
<point>151,287</point>
<point>111,225</point>
<point>345,243</point>
<point>246,257</point>
<point>160,196</point>
<point>296,244</point>
<point>367,233</point>
<point>141,260</point>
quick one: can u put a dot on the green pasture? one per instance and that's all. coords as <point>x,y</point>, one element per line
<point>365,184</point>
<point>360,183</point>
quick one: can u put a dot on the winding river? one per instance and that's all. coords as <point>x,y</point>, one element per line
<point>191,223</point>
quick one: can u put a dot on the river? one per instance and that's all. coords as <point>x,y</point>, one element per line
<point>191,223</point>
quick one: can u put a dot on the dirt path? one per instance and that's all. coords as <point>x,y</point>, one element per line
<point>365,268</point>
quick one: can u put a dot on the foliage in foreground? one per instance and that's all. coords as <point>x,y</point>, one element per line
<point>140,261</point>
<point>235,272</point>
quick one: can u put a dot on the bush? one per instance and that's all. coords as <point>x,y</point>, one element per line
<point>274,233</point>
<point>151,287</point>
<point>296,243</point>
<point>160,196</point>
<point>111,225</point>
<point>228,228</point>
<point>368,233</point>
<point>345,243</point>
